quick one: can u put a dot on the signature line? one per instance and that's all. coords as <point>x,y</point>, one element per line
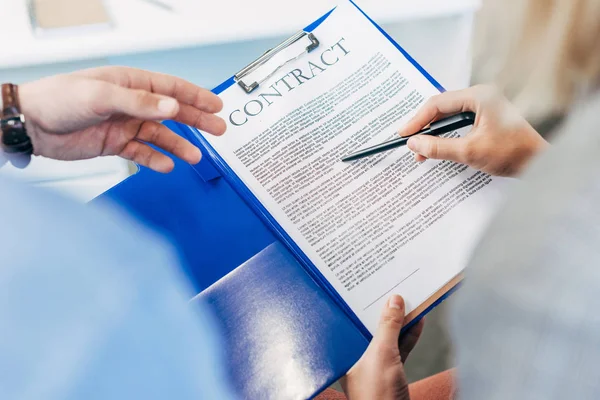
<point>393,287</point>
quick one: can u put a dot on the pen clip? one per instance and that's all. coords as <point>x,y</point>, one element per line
<point>269,54</point>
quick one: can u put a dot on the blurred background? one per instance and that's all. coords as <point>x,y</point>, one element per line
<point>206,42</point>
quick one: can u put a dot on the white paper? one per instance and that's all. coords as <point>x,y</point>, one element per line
<point>374,227</point>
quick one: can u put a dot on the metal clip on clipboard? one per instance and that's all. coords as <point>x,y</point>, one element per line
<point>269,54</point>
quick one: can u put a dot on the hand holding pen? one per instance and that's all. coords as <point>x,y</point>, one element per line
<point>501,142</point>
<point>444,125</point>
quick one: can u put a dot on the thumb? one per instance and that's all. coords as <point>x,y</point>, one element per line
<point>438,148</point>
<point>140,104</point>
<point>391,322</point>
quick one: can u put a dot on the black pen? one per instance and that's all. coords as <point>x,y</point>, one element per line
<point>436,128</point>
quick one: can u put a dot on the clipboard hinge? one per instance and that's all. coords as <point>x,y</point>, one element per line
<point>269,54</point>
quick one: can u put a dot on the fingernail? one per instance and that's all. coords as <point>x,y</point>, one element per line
<point>414,144</point>
<point>197,156</point>
<point>395,302</point>
<point>167,106</point>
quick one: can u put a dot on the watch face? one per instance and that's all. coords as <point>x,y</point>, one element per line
<point>15,142</point>
<point>14,136</point>
<point>14,133</point>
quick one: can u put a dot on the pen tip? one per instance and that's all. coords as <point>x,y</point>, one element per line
<point>352,157</point>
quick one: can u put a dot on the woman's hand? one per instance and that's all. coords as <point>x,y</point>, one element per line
<point>379,374</point>
<point>115,111</point>
<point>501,143</point>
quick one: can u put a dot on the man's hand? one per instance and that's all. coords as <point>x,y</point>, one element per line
<point>379,374</point>
<point>116,111</point>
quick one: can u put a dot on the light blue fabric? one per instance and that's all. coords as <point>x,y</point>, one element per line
<point>94,307</point>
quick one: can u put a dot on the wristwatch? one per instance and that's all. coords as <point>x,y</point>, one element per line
<point>16,143</point>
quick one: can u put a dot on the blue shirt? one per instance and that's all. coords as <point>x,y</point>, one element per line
<point>94,307</point>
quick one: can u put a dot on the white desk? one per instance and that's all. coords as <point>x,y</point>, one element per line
<point>203,47</point>
<point>141,27</point>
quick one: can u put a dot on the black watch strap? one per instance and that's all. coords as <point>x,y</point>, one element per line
<point>16,143</point>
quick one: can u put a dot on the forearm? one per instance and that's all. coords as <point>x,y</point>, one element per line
<point>436,387</point>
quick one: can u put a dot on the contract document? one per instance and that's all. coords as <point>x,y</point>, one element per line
<point>374,227</point>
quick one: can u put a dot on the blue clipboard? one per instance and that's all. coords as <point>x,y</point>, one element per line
<point>258,207</point>
<point>244,264</point>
